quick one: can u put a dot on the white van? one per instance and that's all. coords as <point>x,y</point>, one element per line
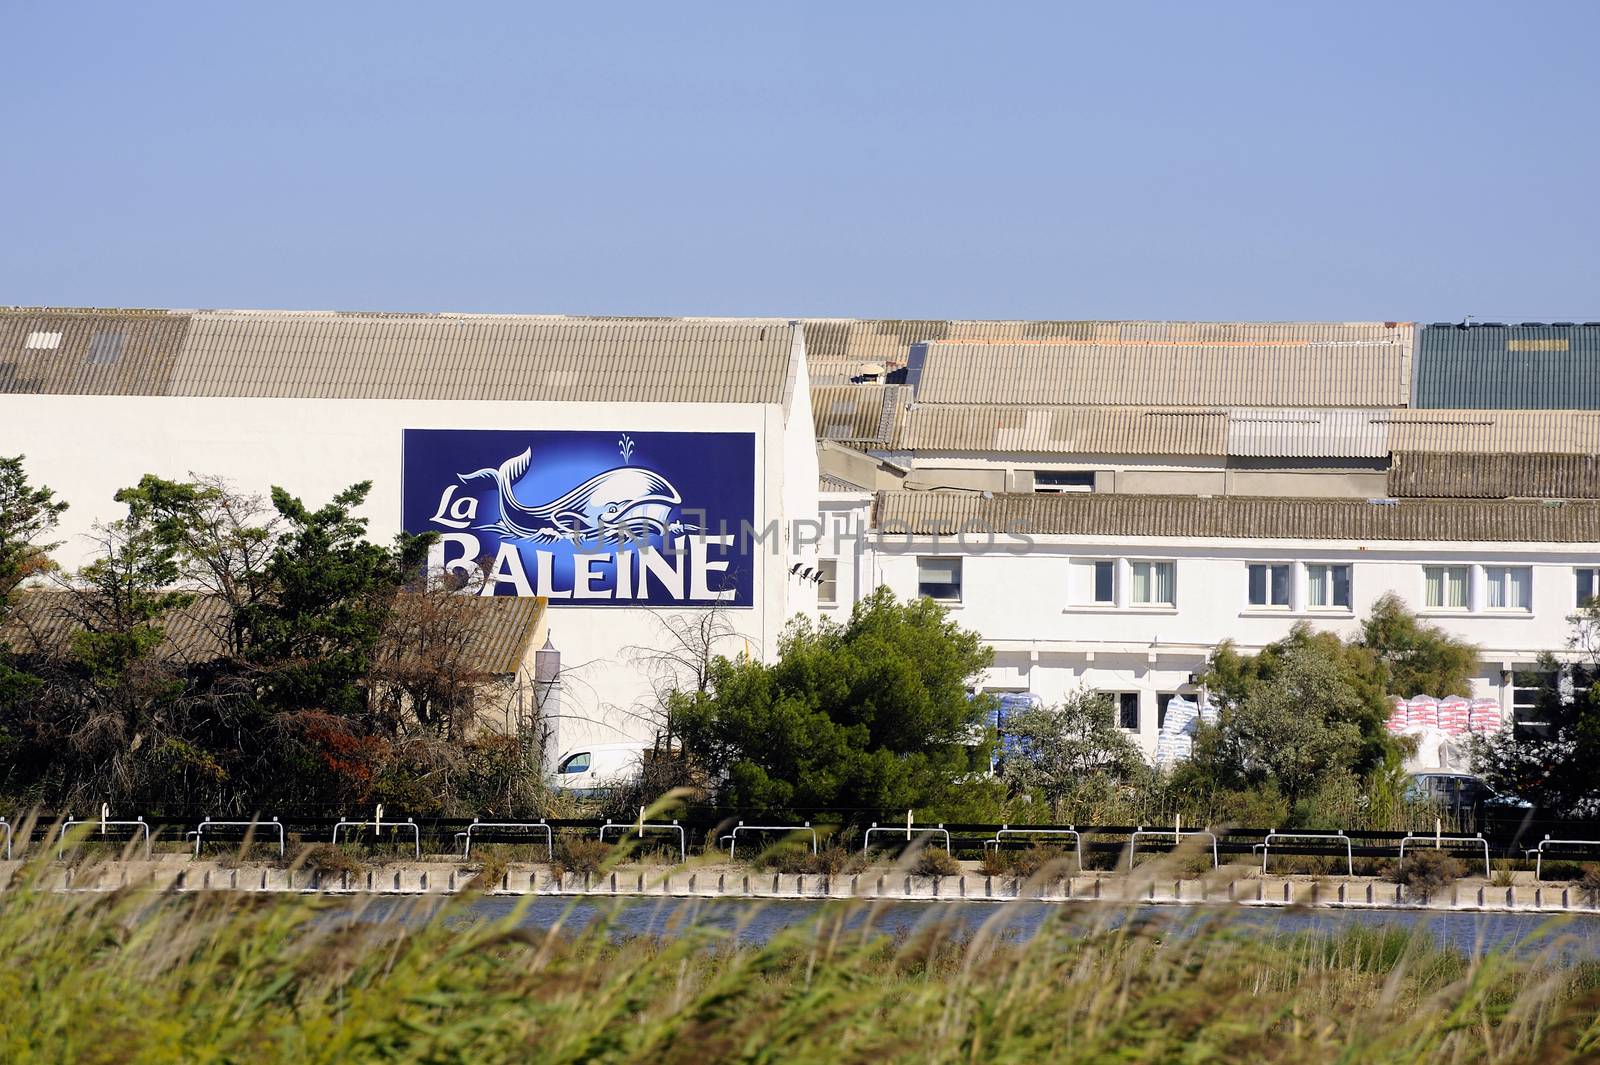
<point>597,767</point>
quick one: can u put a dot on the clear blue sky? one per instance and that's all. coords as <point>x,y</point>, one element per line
<point>1181,160</point>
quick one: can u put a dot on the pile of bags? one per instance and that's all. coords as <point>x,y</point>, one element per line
<point>1452,716</point>
<point>1175,741</point>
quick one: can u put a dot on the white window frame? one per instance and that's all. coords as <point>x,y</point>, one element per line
<point>1466,606</point>
<point>1082,577</point>
<point>827,582</point>
<point>960,581</point>
<point>1504,572</point>
<point>1593,581</point>
<point>1349,582</point>
<point>1152,583</point>
<point>1288,586</point>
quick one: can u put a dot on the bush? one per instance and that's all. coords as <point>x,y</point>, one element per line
<point>493,865</point>
<point>1427,870</point>
<point>1028,862</point>
<point>326,860</point>
<point>935,863</point>
<point>1589,884</point>
<point>580,856</point>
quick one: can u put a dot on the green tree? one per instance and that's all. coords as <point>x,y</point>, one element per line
<point>1071,754</point>
<point>1554,768</point>
<point>1418,658</point>
<point>1305,707</point>
<point>331,591</point>
<point>872,714</point>
<point>28,514</point>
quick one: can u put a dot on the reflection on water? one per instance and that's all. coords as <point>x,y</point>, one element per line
<point>755,921</point>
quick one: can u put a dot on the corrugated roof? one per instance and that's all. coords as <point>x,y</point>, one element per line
<point>1454,475</point>
<point>1310,364</point>
<point>1076,430</point>
<point>836,348</point>
<point>867,415</point>
<point>1241,517</point>
<point>335,355</point>
<point>1553,367</point>
<point>1495,431</point>
<point>1309,432</point>
<point>498,629</point>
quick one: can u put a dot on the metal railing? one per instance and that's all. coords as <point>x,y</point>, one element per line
<point>1340,837</point>
<point>910,830</point>
<point>378,824</point>
<point>1177,834</point>
<point>1538,852</point>
<point>732,838</point>
<point>104,821</point>
<point>1022,835</point>
<point>641,826</point>
<point>7,826</point>
<point>528,826</point>
<point>248,826</point>
<point>1439,840</point>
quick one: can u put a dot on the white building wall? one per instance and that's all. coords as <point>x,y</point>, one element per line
<point>1048,639</point>
<point>88,447</point>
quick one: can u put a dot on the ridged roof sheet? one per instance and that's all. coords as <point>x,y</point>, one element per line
<point>336,355</point>
<point>1464,476</point>
<point>497,630</point>
<point>867,415</point>
<point>1495,431</point>
<point>1555,367</point>
<point>1065,430</point>
<point>1236,517</point>
<point>1312,364</point>
<point>837,348</point>
<point>1308,432</point>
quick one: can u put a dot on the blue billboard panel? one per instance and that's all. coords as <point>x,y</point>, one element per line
<point>595,518</point>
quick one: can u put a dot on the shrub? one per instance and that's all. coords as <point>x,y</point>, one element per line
<point>580,856</point>
<point>935,863</point>
<point>1589,884</point>
<point>1427,870</point>
<point>326,860</point>
<point>493,865</point>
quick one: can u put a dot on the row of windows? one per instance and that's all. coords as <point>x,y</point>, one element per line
<point>1268,585</point>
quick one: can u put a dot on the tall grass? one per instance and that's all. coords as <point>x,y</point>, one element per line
<point>141,977</point>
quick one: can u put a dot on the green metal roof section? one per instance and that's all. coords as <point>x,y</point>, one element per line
<point>1526,366</point>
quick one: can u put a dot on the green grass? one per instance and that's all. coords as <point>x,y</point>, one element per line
<point>138,977</point>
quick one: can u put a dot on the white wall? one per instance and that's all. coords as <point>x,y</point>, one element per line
<point>87,447</point>
<point>1021,599</point>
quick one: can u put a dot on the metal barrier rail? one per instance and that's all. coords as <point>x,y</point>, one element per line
<point>1005,830</point>
<point>378,825</point>
<point>466,837</point>
<point>641,827</point>
<point>1438,840</point>
<point>1538,861</point>
<point>910,830</point>
<point>248,826</point>
<point>1177,835</point>
<point>137,823</point>
<point>7,826</point>
<point>1349,853</point>
<point>732,838</point>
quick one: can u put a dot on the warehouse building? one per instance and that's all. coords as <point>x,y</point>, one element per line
<point>633,472</point>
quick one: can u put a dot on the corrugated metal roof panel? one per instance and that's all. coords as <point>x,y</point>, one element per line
<point>497,629</point>
<point>868,415</point>
<point>1065,430</point>
<point>1313,364</point>
<point>1495,431</point>
<point>1519,367</point>
<point>282,354</point>
<point>1455,475</point>
<point>836,348</point>
<point>88,351</point>
<point>1242,517</point>
<point>1308,432</point>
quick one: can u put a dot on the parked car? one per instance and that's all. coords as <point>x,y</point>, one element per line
<point>595,768</point>
<point>1461,793</point>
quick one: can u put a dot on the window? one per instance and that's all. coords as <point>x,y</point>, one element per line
<point>1588,585</point>
<point>827,581</point>
<point>1063,481</point>
<point>1094,581</point>
<point>1162,699</point>
<point>577,763</point>
<point>1154,583</point>
<point>1508,587</point>
<point>1533,693</point>
<point>1444,587</point>
<point>105,348</point>
<point>1269,585</point>
<point>939,578</point>
<point>1327,587</point>
<point>1127,706</point>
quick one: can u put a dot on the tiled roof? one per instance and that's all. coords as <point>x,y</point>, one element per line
<point>866,415</point>
<point>1455,475</point>
<point>1242,517</point>
<point>498,629</point>
<point>335,355</point>
<point>1178,364</point>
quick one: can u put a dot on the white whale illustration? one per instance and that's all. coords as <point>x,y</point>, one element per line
<point>621,504</point>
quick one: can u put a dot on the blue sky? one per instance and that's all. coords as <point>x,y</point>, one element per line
<point>1244,160</point>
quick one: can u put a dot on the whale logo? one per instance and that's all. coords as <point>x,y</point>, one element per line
<point>622,504</point>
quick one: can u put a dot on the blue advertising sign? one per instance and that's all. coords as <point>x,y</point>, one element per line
<point>597,518</point>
